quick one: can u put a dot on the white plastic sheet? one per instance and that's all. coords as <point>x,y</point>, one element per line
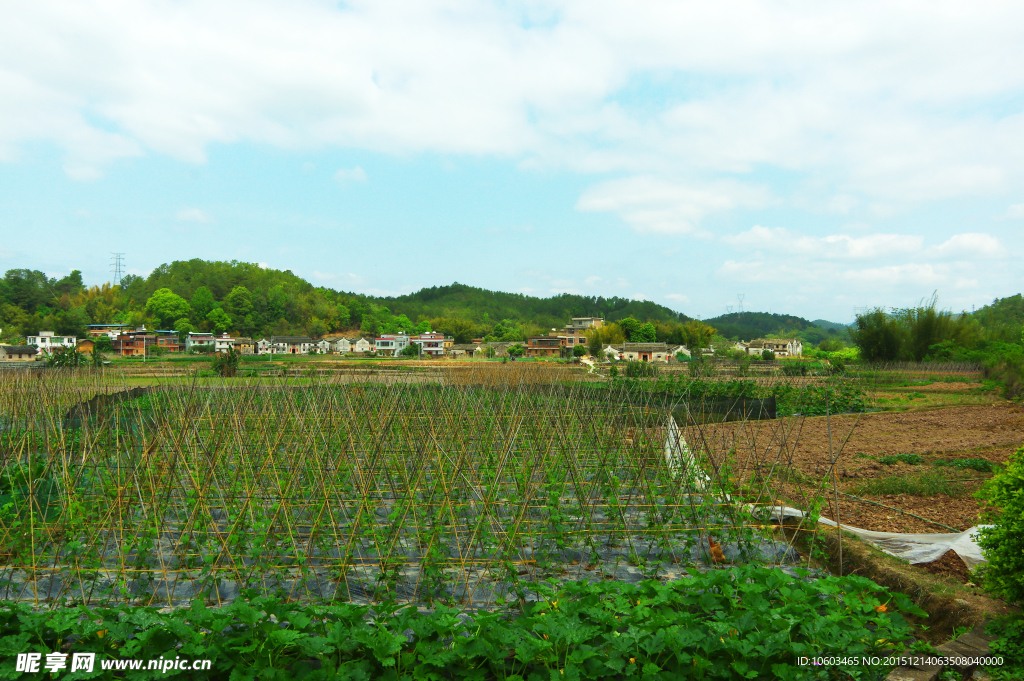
<point>914,548</point>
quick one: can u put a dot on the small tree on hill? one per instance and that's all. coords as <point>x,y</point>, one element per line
<point>1003,544</point>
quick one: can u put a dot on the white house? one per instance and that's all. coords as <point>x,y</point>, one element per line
<point>196,338</point>
<point>391,343</point>
<point>223,343</point>
<point>264,347</point>
<point>431,343</point>
<point>342,345</point>
<point>291,345</point>
<point>323,346</point>
<point>674,350</point>
<point>362,345</point>
<point>46,341</point>
<point>782,347</point>
<point>613,351</point>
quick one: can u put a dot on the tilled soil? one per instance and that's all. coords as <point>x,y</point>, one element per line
<point>991,432</point>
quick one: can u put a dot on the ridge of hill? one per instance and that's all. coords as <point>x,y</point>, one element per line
<point>478,304</point>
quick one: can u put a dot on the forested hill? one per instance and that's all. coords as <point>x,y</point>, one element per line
<point>750,325</point>
<point>1003,318</point>
<point>248,299</point>
<point>478,304</point>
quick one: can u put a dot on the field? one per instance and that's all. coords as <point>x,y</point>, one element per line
<point>356,490</point>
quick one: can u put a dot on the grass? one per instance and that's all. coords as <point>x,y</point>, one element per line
<point>923,485</point>
<point>974,464</point>
<point>890,459</point>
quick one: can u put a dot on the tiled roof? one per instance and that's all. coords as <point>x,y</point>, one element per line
<point>645,347</point>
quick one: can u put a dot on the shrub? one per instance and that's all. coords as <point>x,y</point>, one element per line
<point>640,369</point>
<point>1003,543</point>
<point>226,363</point>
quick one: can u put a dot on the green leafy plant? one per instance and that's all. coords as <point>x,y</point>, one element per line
<point>974,464</point>
<point>1003,543</point>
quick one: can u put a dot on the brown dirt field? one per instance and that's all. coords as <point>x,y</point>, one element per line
<point>991,431</point>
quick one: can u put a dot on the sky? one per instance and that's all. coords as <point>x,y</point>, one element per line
<point>807,158</point>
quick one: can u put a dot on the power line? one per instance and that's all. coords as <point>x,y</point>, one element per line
<point>116,267</point>
<point>740,297</point>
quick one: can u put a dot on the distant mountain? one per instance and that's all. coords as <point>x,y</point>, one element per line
<point>1003,318</point>
<point>825,324</point>
<point>469,302</point>
<point>750,325</point>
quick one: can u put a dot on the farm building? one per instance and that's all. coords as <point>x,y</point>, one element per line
<point>645,352</point>
<point>782,347</point>
<point>17,353</point>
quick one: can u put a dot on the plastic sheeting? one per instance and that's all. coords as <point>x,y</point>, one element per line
<point>914,548</point>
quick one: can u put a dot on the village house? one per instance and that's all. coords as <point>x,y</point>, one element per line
<point>674,350</point>
<point>616,353</point>
<point>645,352</point>
<point>46,341</point>
<point>133,343</point>
<point>264,347</point>
<point>201,339</point>
<point>86,346</point>
<point>782,347</point>
<point>431,343</point>
<point>223,343</point>
<point>323,346</point>
<point>111,331</point>
<point>464,351</point>
<point>246,346</point>
<point>17,353</point>
<point>544,346</point>
<point>291,345</point>
<point>362,345</point>
<point>391,344</point>
<point>575,332</point>
<point>168,341</point>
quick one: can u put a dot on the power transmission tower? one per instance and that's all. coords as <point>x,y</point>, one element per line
<point>728,309</point>
<point>117,267</point>
<point>740,297</point>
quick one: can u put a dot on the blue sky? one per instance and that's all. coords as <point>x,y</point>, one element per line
<point>815,159</point>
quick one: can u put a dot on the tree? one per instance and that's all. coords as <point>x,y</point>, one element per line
<point>184,327</point>
<point>65,358</point>
<point>767,355</point>
<point>645,333</point>
<point>167,306</point>
<point>219,319</point>
<point>879,336</point>
<point>630,327</point>
<point>202,302</point>
<point>1003,543</point>
<point>317,328</point>
<point>516,350</point>
<point>412,350</point>
<point>103,344</point>
<point>579,351</point>
<point>226,363</point>
<point>238,303</point>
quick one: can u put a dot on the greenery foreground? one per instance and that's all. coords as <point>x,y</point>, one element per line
<point>745,622</point>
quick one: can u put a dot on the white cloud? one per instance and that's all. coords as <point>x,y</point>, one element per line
<point>193,215</point>
<point>678,298</point>
<point>649,204</point>
<point>887,103</point>
<point>344,175</point>
<point>1014,212</point>
<point>969,245</point>
<point>840,246</point>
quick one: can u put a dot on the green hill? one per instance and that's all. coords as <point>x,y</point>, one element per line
<point>750,325</point>
<point>1003,318</point>
<point>478,305</point>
